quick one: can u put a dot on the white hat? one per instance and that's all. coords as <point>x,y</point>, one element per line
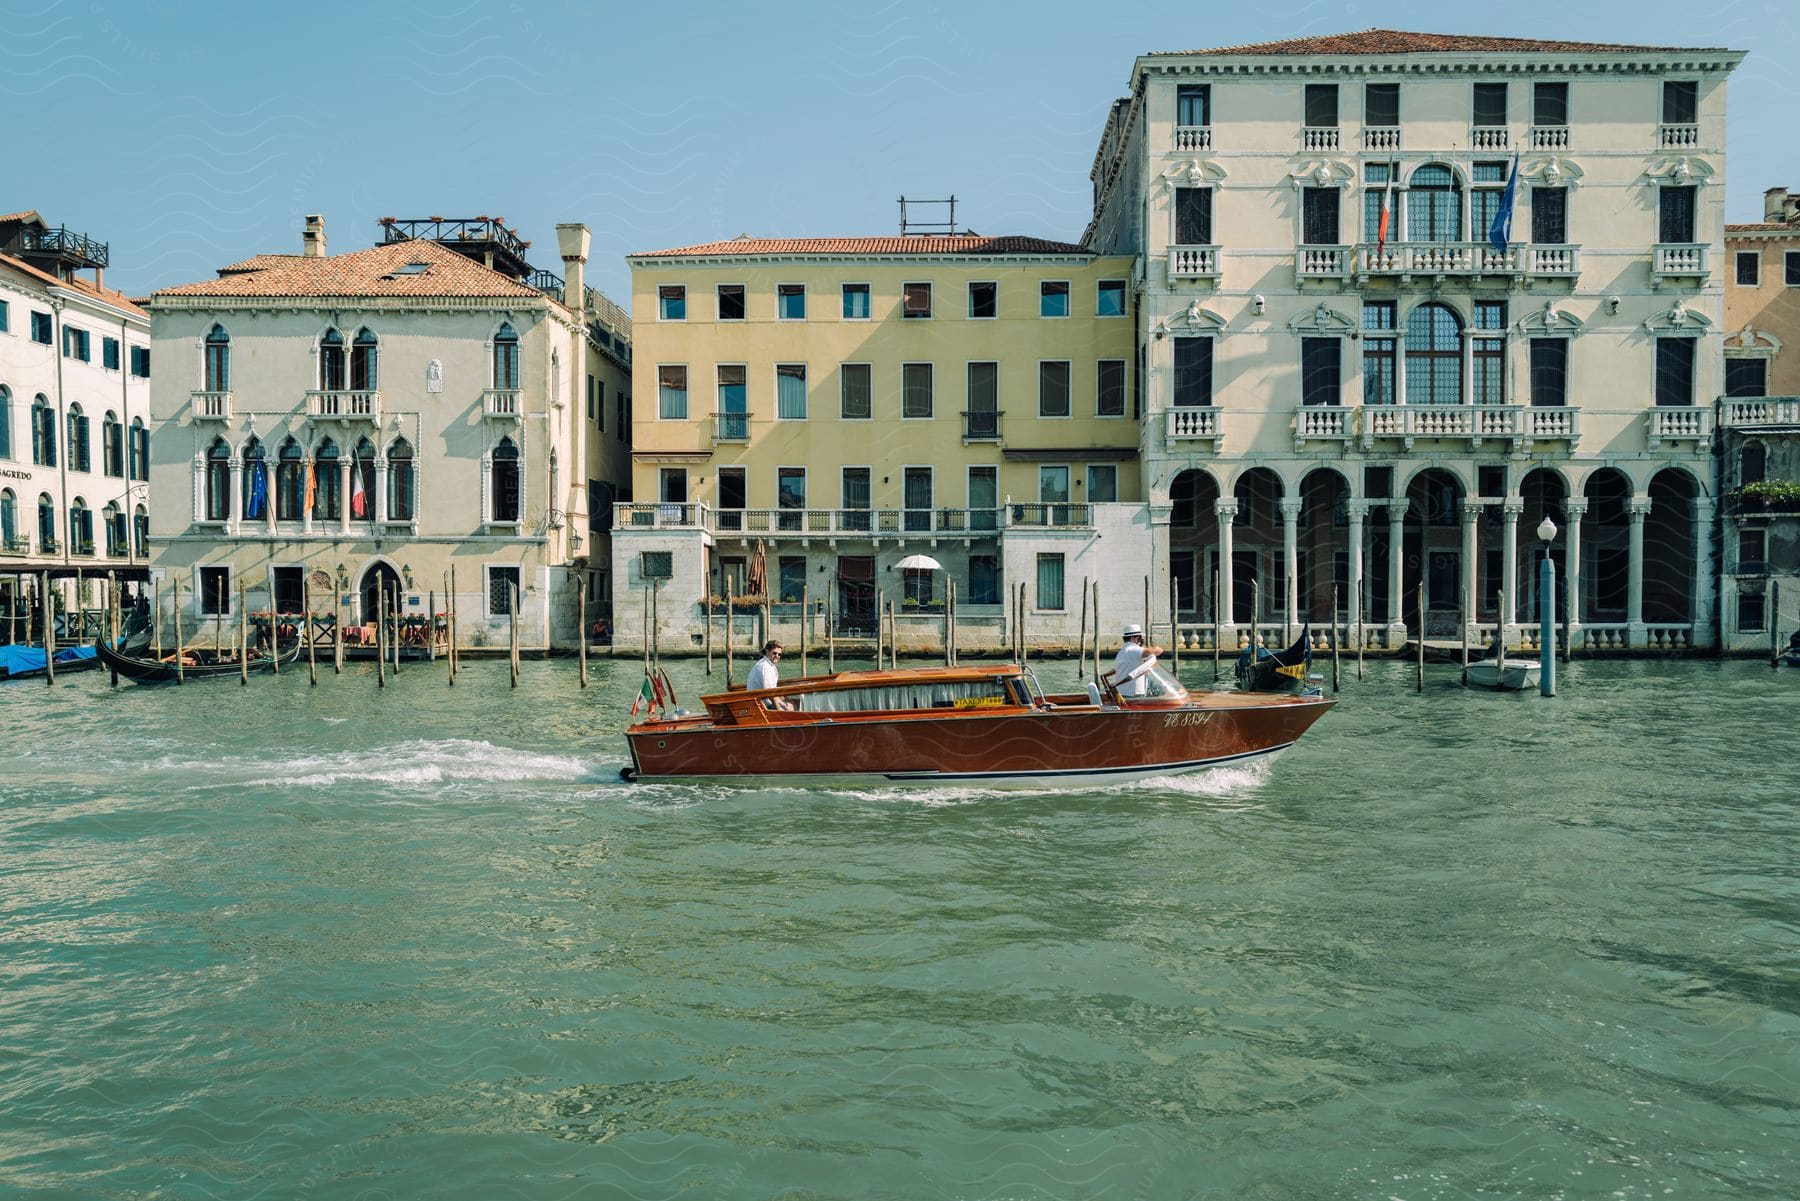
<point>1132,629</point>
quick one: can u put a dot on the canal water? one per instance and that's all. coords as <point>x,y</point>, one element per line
<point>341,942</point>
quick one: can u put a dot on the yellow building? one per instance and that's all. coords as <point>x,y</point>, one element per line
<point>845,402</point>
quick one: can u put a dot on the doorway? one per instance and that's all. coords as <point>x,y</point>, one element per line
<point>379,578</point>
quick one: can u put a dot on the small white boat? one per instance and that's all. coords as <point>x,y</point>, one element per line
<point>1506,675</point>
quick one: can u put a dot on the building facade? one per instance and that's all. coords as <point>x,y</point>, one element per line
<point>1759,428</point>
<point>74,412</point>
<point>1358,382</point>
<point>816,410</point>
<point>343,425</point>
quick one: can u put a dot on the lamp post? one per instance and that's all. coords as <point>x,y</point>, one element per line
<point>1547,612</point>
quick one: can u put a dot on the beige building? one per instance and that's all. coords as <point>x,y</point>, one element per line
<point>74,408</point>
<point>1351,387</point>
<point>842,403</point>
<point>1759,428</point>
<point>379,418</point>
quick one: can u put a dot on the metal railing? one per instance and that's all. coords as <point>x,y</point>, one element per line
<point>731,427</point>
<point>500,402</point>
<point>1741,412</point>
<point>19,544</point>
<point>1051,515</point>
<point>1194,262</point>
<point>333,405</point>
<point>981,425</point>
<point>1193,137</point>
<point>673,515</point>
<point>61,241</point>
<point>211,406</point>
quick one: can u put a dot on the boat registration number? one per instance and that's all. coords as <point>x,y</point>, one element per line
<point>1185,719</point>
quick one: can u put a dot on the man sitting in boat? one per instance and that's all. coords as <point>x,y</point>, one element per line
<point>1132,670</point>
<point>764,673</point>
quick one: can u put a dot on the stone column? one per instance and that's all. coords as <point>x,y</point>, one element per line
<point>1705,615</point>
<point>1225,617</point>
<point>237,493</point>
<point>1290,526</point>
<point>1471,515</point>
<point>1639,508</point>
<point>1358,510</point>
<point>1576,509</point>
<point>344,492</point>
<point>1396,614</point>
<point>1509,568</point>
<point>380,508</point>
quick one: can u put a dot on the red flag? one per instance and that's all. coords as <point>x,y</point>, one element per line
<point>645,694</point>
<point>657,685</point>
<point>359,500</point>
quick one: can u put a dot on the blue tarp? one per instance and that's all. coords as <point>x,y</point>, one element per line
<point>18,661</point>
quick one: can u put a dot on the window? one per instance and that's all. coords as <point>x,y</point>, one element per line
<point>331,362</point>
<point>1489,359</point>
<point>503,585</point>
<point>1109,299</point>
<point>982,417</point>
<point>734,401</point>
<point>671,393</point>
<point>1680,102</point>
<point>915,389</point>
<point>984,498</point>
<point>1675,371</point>
<point>214,585</point>
<point>5,317</point>
<point>1193,216</point>
<point>1434,205</point>
<point>916,497</point>
<point>916,586</point>
<point>1381,104</point>
<point>792,577</point>
<point>1053,388</point>
<point>672,485</point>
<point>915,301</point>
<point>1433,356</point>
<point>734,494</point>
<point>1753,466</point>
<point>790,302</point>
<point>1193,104</point>
<point>1319,216</point>
<point>1321,369</point>
<point>856,302</point>
<point>218,481</point>
<point>363,352</point>
<point>216,361</point>
<point>112,520</point>
<point>622,426</point>
<point>1790,267</point>
<point>1053,298</point>
<point>140,361</point>
<point>109,353</point>
<point>1549,104</point>
<point>46,523</point>
<point>984,300</point>
<point>1376,198</point>
<point>1550,216</point>
<point>731,302</point>
<point>506,358</point>
<point>75,343</point>
<point>1550,371</point>
<point>504,482</point>
<point>112,446</point>
<point>1050,581</point>
<point>671,302</point>
<point>255,507</point>
<point>139,450</point>
<point>362,481</point>
<point>290,482</point>
<point>5,423</point>
<point>326,485</point>
<point>1322,105</point>
<point>290,589</point>
<point>40,328</point>
<point>853,495</point>
<point>78,440</point>
<point>1111,399</point>
<point>1752,612</point>
<point>1102,483</point>
<point>1489,179</point>
<point>1489,107</point>
<point>1675,215</point>
<point>1053,485</point>
<point>1746,377</point>
<point>43,433</point>
<point>1749,268</point>
<point>790,391</point>
<point>855,392</point>
<point>1193,371</point>
<point>9,519</point>
<point>140,530</point>
<point>790,495</point>
<point>984,579</point>
<point>594,408</point>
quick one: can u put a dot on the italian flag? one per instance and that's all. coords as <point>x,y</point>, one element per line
<point>646,697</point>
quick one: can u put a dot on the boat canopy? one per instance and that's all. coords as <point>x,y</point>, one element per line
<point>925,694</point>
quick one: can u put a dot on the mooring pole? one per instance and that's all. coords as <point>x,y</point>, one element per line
<point>581,623</point>
<point>1081,639</point>
<point>1096,643</point>
<point>880,624</point>
<point>1774,623</point>
<point>1218,622</point>
<point>1024,647</point>
<point>312,655</point>
<point>831,626</point>
<point>513,625</point>
<point>380,635</point>
<point>1174,627</point>
<point>243,639</point>
<point>709,625</point>
<point>646,627</point>
<point>656,624</point>
<point>1335,670</point>
<point>156,619</point>
<point>1547,625</point>
<point>1421,639</point>
<point>450,616</point>
<point>180,672</point>
<point>337,631</point>
<point>49,634</point>
<point>112,606</point>
<point>805,625</point>
<point>1468,615</point>
<point>730,609</point>
<point>893,638</point>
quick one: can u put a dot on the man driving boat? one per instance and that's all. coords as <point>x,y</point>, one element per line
<point>1134,657</point>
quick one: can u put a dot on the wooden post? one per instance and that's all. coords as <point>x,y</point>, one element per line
<point>49,633</point>
<point>656,624</point>
<point>893,638</point>
<point>1336,676</point>
<point>513,626</point>
<point>880,622</point>
<point>243,639</point>
<point>1468,615</point>
<point>337,622</point>
<point>1421,638</point>
<point>1149,629</point>
<point>1255,617</point>
<point>380,636</point>
<point>1081,640</point>
<point>1096,629</point>
<point>805,625</point>
<point>156,620</point>
<point>1362,638</point>
<point>450,616</point>
<point>955,624</point>
<point>729,607</point>
<point>831,626</point>
<point>582,634</point>
<point>218,615</point>
<point>431,625</point>
<point>1774,623</point>
<point>646,627</point>
<point>112,611</point>
<point>709,627</point>
<point>180,673</point>
<point>312,654</point>
<point>394,630</point>
<point>1217,623</point>
<point>1024,647</point>
<point>1174,627</point>
<point>768,623</point>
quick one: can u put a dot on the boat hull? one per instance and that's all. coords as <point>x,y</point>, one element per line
<point>1513,675</point>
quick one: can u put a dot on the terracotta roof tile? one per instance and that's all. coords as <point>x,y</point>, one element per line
<point>104,295</point>
<point>1396,41</point>
<point>27,215</point>
<point>258,262</point>
<point>972,244</point>
<point>1762,227</point>
<point>362,273</point>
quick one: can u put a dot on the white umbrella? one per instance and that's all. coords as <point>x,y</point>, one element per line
<point>919,563</point>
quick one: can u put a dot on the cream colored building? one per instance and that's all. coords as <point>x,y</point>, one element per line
<point>1334,401</point>
<point>843,403</point>
<point>74,407</point>
<point>383,417</point>
<point>1759,427</point>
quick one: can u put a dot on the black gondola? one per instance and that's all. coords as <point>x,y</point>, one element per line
<point>204,665</point>
<point>1260,669</point>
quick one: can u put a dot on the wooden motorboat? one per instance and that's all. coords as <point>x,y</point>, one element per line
<point>196,664</point>
<point>1494,670</point>
<point>1260,669</point>
<point>988,726</point>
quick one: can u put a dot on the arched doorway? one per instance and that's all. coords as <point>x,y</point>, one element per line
<point>377,579</point>
<point>1323,546</point>
<point>1543,494</point>
<point>1668,569</point>
<point>1433,552</point>
<point>1194,544</point>
<point>1605,554</point>
<point>1258,560</point>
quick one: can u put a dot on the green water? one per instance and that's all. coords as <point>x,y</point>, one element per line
<point>346,943</point>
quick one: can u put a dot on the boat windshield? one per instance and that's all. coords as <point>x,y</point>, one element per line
<point>1159,683</point>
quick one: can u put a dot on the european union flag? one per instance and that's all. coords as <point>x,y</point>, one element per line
<point>1500,232</point>
<point>259,492</point>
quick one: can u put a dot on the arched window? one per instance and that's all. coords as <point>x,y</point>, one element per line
<point>218,360</point>
<point>256,480</point>
<point>1433,355</point>
<point>1753,463</point>
<point>114,520</point>
<point>5,423</point>
<point>505,482</point>
<point>506,357</point>
<point>79,460</point>
<point>43,432</point>
<point>290,482</point>
<point>328,498</point>
<point>81,528</point>
<point>362,361</point>
<point>362,481</point>
<point>140,522</point>
<point>1434,205</point>
<point>140,450</point>
<point>46,523</point>
<point>400,481</point>
<point>9,519</point>
<point>331,362</point>
<point>218,481</point>
<point>112,446</point>
<point>555,377</point>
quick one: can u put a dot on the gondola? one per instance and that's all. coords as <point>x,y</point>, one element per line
<point>205,665</point>
<point>1260,669</point>
<point>27,662</point>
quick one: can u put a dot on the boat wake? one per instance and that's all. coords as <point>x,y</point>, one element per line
<point>422,762</point>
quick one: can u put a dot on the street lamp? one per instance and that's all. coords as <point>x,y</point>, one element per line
<point>1546,531</point>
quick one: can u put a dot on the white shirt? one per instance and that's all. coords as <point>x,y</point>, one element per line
<point>762,675</point>
<point>1131,657</point>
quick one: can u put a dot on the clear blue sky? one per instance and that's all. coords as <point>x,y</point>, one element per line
<point>192,135</point>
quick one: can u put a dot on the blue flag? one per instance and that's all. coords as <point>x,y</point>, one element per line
<point>1500,232</point>
<point>259,492</point>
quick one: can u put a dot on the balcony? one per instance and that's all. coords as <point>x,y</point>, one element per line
<point>1549,137</point>
<point>854,523</point>
<point>1323,262</point>
<point>18,544</point>
<point>731,427</point>
<point>84,548</point>
<point>1678,423</point>
<point>1381,137</point>
<point>1677,137</point>
<point>1193,137</point>
<point>211,406</point>
<point>673,515</point>
<point>1319,137</point>
<point>1678,260</point>
<point>1751,412</point>
<point>1469,424</point>
<point>502,404</point>
<point>1052,516</point>
<point>344,407</point>
<point>981,425</point>
<point>1199,421</point>
<point>1193,262</point>
<point>1323,423</point>
<point>1488,137</point>
<point>1553,261</point>
<point>49,546</point>
<point>1550,422</point>
<point>1407,259</point>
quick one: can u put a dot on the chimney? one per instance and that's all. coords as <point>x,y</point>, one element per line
<point>312,238</point>
<point>572,242</point>
<point>1775,205</point>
